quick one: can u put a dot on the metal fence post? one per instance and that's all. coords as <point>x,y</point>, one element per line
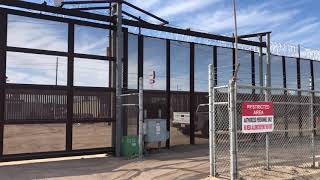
<point>232,130</point>
<point>267,94</point>
<point>312,126</point>
<point>141,130</point>
<point>212,124</point>
<point>118,76</point>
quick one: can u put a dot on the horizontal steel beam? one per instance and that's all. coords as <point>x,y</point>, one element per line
<point>56,10</point>
<point>58,53</point>
<point>132,16</point>
<point>92,120</point>
<point>54,154</point>
<point>92,8</point>
<point>190,33</point>
<point>254,35</point>
<point>89,2</point>
<point>77,89</point>
<point>34,121</point>
<point>55,18</point>
<point>36,51</point>
<point>145,12</point>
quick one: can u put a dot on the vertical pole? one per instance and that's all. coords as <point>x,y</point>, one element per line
<point>235,31</point>
<point>232,131</point>
<point>54,103</point>
<point>113,47</point>
<point>268,93</point>
<point>192,107</point>
<point>3,59</point>
<point>215,65</point>
<point>141,131</point>
<point>312,126</point>
<point>125,77</point>
<point>70,87</point>
<point>232,101</point>
<point>284,74</point>
<point>140,64</point>
<point>260,63</point>
<point>168,88</point>
<point>57,66</point>
<point>253,70</point>
<point>299,95</point>
<point>312,88</point>
<point>212,128</point>
<point>119,73</point>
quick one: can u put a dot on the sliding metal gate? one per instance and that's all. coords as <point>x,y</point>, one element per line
<point>37,120</point>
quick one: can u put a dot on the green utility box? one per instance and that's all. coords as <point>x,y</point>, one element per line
<point>130,146</point>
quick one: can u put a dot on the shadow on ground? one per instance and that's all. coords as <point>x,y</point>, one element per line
<point>187,162</point>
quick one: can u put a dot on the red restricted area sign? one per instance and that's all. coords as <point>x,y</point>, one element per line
<point>257,117</point>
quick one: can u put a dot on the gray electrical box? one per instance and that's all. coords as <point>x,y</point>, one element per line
<point>155,130</point>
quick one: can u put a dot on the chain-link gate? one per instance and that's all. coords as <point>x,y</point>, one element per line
<point>293,142</point>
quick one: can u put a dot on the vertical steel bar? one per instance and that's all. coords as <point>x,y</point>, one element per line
<point>312,88</point>
<point>125,58</point>
<point>253,70</point>
<point>168,87</point>
<point>3,79</point>
<point>125,77</point>
<point>212,129</point>
<point>70,83</point>
<point>299,95</point>
<point>260,63</point>
<point>191,96</point>
<point>140,64</point>
<point>267,94</point>
<point>311,125</point>
<point>215,65</point>
<point>284,74</point>
<point>141,130</point>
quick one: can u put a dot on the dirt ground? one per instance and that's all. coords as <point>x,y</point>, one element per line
<point>184,162</point>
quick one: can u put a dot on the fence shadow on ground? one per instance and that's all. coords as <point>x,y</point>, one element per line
<point>190,162</point>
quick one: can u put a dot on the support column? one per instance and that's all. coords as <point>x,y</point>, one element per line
<point>212,123</point>
<point>3,79</point>
<point>70,92</point>
<point>118,52</point>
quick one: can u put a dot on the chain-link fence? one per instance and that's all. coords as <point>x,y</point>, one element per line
<point>292,143</point>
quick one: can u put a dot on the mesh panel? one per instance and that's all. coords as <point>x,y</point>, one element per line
<point>296,114</point>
